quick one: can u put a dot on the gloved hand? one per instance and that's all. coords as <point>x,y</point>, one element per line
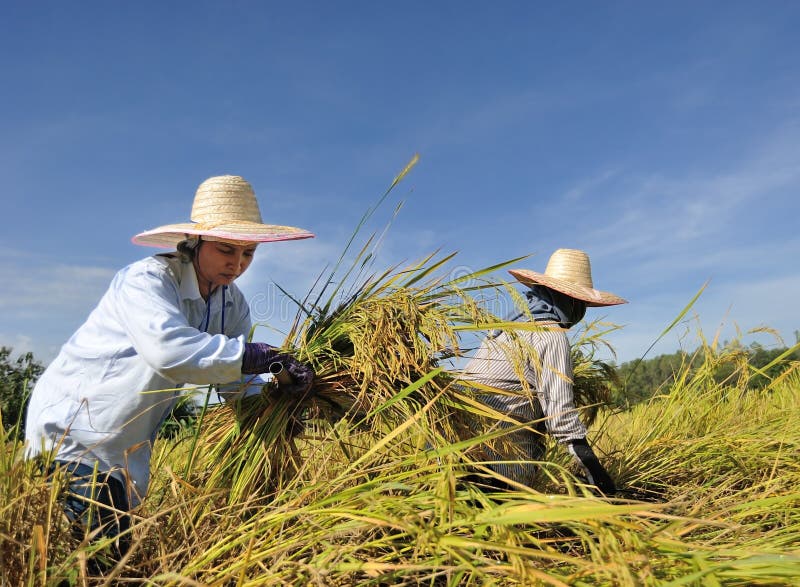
<point>258,357</point>
<point>594,471</point>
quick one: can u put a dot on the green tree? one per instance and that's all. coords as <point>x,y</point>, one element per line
<point>761,357</point>
<point>640,380</point>
<point>16,380</point>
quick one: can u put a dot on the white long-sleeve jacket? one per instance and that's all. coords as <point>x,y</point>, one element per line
<point>105,395</point>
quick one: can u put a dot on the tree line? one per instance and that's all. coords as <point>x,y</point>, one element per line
<point>16,381</point>
<point>751,367</point>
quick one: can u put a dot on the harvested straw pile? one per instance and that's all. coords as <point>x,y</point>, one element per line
<point>378,355</point>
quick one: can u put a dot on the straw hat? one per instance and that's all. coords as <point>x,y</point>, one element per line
<point>569,272</point>
<point>225,207</point>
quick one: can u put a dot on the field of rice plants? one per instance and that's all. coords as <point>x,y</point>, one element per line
<point>376,478</point>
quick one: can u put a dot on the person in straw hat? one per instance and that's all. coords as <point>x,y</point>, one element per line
<point>166,320</point>
<point>557,300</point>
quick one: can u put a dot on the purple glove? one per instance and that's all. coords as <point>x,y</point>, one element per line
<point>258,357</point>
<point>595,472</point>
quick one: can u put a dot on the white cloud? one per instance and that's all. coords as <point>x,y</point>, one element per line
<point>653,215</point>
<point>51,288</point>
<point>44,347</point>
<point>21,343</point>
<point>726,309</point>
<point>586,187</point>
<point>40,284</point>
<point>43,302</point>
<point>660,238</point>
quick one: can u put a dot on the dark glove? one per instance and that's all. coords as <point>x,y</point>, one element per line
<point>595,472</point>
<point>259,356</point>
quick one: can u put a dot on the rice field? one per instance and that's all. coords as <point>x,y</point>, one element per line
<point>376,478</point>
<point>366,482</point>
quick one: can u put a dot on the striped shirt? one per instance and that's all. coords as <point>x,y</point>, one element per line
<point>536,361</point>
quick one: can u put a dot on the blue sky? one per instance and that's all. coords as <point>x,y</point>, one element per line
<point>662,138</point>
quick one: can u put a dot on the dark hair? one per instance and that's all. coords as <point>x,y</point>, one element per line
<point>188,247</point>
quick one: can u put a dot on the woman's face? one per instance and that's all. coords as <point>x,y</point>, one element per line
<point>220,263</point>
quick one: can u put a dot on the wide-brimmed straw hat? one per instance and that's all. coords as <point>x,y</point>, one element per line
<point>570,272</point>
<point>225,207</point>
